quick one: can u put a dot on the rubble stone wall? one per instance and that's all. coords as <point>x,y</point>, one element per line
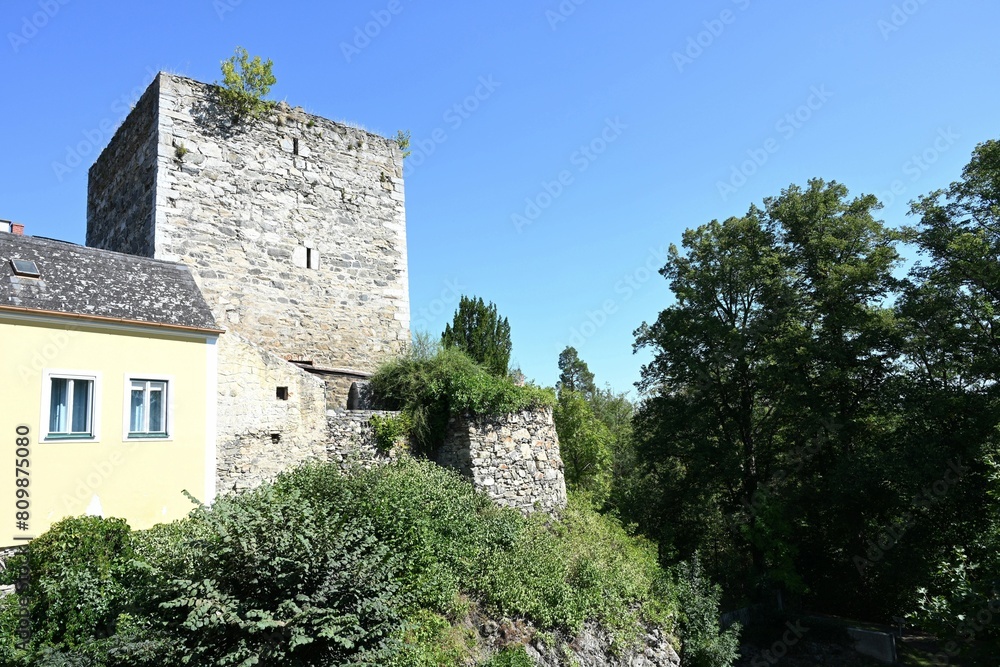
<point>514,458</point>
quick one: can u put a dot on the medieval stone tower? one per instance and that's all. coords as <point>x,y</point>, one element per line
<point>294,225</point>
<point>295,230</point>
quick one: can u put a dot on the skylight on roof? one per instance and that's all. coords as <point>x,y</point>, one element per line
<point>25,267</point>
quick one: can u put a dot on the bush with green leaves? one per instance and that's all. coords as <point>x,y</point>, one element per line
<point>281,580</point>
<point>382,566</point>
<point>704,643</point>
<point>961,602</point>
<point>85,596</point>
<point>432,384</point>
<point>510,657</point>
<point>245,84</point>
<point>388,429</point>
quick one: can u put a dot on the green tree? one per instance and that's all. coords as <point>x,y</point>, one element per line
<point>950,313</point>
<point>959,233</point>
<point>245,84</point>
<point>710,425</point>
<point>479,331</point>
<point>574,375</point>
<point>838,359</point>
<point>585,444</point>
<point>769,383</point>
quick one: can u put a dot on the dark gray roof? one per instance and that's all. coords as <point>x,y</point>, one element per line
<point>76,280</point>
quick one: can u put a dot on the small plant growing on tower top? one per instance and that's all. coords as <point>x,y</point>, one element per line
<point>403,141</point>
<point>245,83</point>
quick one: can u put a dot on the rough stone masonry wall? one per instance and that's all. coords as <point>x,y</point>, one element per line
<point>514,458</point>
<point>351,439</point>
<point>250,207</point>
<point>122,183</point>
<point>250,414</point>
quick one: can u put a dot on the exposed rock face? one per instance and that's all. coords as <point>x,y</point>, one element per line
<point>513,458</point>
<point>590,648</point>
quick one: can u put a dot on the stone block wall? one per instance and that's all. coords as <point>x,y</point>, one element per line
<point>294,225</point>
<point>513,458</point>
<point>271,415</point>
<point>121,194</point>
<point>351,439</point>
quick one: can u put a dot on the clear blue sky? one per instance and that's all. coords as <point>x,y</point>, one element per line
<point>664,119</point>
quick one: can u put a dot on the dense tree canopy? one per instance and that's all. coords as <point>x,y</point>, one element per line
<point>814,421</point>
<point>479,331</point>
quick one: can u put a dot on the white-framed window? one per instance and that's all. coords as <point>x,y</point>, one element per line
<point>71,405</point>
<point>148,413</point>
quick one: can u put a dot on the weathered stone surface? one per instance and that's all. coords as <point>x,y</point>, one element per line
<point>259,433</point>
<point>351,439</point>
<point>361,396</point>
<point>273,416</point>
<point>121,196</point>
<point>514,458</point>
<point>303,254</point>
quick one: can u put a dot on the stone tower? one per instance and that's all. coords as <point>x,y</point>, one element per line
<point>294,225</point>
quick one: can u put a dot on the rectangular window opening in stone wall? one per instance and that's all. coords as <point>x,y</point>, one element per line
<point>282,393</point>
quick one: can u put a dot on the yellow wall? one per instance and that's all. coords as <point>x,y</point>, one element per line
<point>138,481</point>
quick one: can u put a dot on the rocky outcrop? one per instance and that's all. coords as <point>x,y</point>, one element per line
<point>592,647</point>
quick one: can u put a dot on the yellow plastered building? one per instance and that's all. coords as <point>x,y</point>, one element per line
<point>108,379</point>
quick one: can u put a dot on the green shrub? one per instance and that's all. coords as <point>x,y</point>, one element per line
<point>278,581</point>
<point>961,602</point>
<point>452,539</point>
<point>403,141</point>
<point>428,515</point>
<point>389,429</point>
<point>429,640</point>
<point>510,657</point>
<point>704,645</point>
<point>432,385</point>
<point>86,598</point>
<point>327,568</point>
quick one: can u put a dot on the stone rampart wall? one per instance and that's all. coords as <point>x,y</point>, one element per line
<point>514,458</point>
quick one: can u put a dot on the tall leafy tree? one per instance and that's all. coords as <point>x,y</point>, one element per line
<point>481,333</point>
<point>950,309</point>
<point>595,432</point>
<point>959,235</point>
<point>767,386</point>
<point>840,364</point>
<point>709,427</point>
<point>574,375</point>
<point>585,445</point>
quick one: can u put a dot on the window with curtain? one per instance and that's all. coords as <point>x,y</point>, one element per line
<point>71,407</point>
<point>148,408</point>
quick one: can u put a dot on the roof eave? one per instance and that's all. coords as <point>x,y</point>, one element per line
<point>102,319</point>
